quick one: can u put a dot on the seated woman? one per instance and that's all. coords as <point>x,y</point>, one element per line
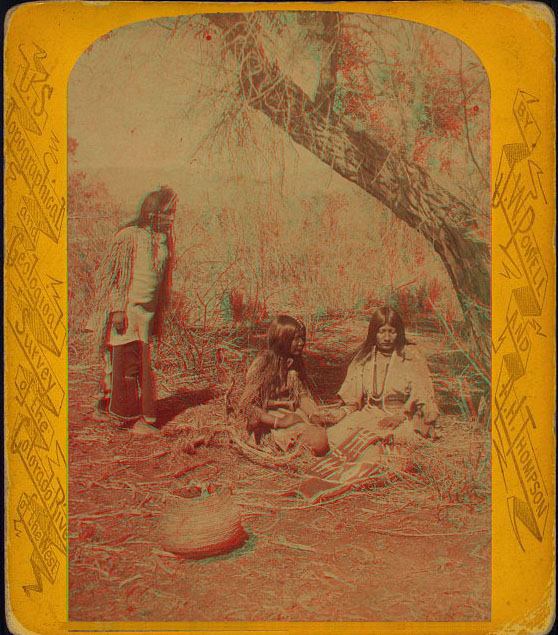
<point>276,401</point>
<point>388,388</point>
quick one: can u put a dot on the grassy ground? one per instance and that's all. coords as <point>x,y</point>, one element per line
<point>416,550</point>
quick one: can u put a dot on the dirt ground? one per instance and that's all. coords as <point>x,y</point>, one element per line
<point>416,550</point>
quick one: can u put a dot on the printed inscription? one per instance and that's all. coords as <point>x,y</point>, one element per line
<point>31,149</point>
<point>518,195</point>
<point>34,312</point>
<point>33,519</point>
<point>40,302</point>
<point>46,472</point>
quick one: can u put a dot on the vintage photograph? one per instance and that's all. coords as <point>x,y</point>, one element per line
<point>279,275</point>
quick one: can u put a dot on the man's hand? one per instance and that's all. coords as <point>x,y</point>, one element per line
<point>119,321</point>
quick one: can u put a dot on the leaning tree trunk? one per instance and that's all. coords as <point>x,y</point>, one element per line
<point>406,189</point>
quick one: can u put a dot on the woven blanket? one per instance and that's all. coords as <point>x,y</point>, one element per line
<point>364,458</point>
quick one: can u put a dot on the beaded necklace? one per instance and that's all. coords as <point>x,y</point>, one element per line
<point>380,396</point>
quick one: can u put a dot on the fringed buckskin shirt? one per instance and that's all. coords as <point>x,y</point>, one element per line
<point>129,280</point>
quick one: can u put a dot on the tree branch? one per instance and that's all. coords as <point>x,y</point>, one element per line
<point>405,188</point>
<point>325,92</point>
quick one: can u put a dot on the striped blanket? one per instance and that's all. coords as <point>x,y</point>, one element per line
<point>364,458</point>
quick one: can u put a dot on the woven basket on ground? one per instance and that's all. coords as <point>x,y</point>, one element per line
<point>202,527</point>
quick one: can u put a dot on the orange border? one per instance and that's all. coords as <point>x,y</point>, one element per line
<point>515,42</point>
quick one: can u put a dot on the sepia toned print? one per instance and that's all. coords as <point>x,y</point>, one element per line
<point>305,435</point>
<point>248,433</point>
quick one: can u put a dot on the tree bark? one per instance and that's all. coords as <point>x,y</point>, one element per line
<point>325,93</point>
<point>405,188</point>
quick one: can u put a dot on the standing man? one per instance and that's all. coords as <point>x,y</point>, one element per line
<point>133,289</point>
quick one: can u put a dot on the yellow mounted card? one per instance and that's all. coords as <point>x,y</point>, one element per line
<point>279,317</point>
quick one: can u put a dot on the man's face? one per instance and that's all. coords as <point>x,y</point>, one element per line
<point>165,219</point>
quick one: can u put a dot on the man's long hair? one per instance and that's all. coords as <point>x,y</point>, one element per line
<point>151,207</point>
<point>115,270</point>
<point>380,317</point>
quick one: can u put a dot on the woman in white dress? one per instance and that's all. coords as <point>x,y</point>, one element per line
<point>388,389</point>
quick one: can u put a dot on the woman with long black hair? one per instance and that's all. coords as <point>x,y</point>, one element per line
<point>276,403</point>
<point>387,389</point>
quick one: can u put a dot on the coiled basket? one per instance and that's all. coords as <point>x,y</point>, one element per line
<point>202,527</point>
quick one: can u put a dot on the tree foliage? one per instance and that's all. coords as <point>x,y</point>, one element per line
<point>380,95</point>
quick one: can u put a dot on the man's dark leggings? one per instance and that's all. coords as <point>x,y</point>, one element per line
<point>129,381</point>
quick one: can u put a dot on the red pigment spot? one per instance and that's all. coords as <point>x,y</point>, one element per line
<point>476,108</point>
<point>72,146</point>
<point>208,37</point>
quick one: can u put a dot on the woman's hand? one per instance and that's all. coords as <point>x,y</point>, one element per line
<point>119,321</point>
<point>349,408</point>
<point>328,418</point>
<point>319,419</point>
<point>287,404</point>
<point>286,421</point>
<point>388,423</point>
